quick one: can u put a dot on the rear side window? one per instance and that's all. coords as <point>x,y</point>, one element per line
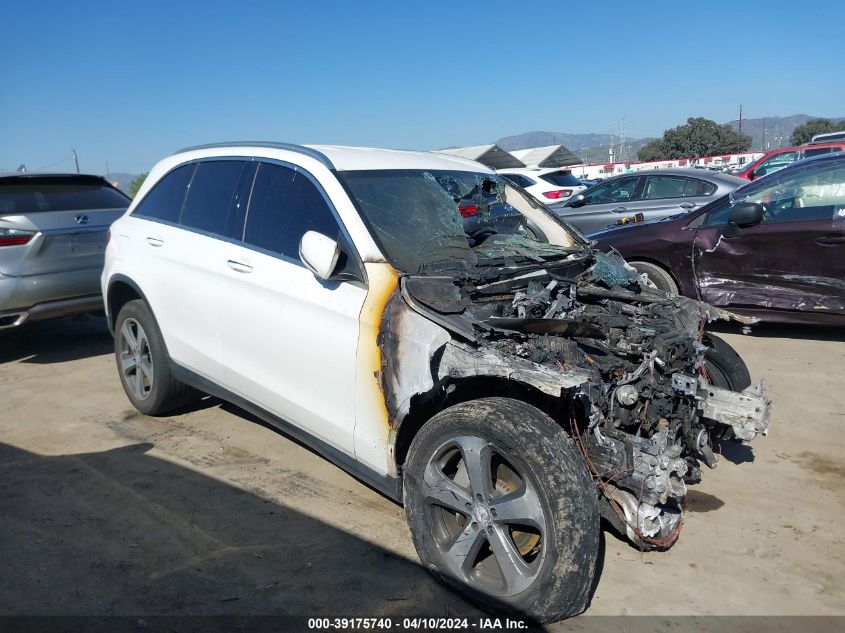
<point>809,153</point>
<point>23,194</point>
<point>284,205</point>
<point>217,197</point>
<point>694,188</point>
<point>561,179</point>
<point>164,201</point>
<point>518,179</point>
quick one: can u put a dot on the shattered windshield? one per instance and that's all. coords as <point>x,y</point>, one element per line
<point>427,221</point>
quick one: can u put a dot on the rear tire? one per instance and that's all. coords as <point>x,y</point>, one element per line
<point>143,363</point>
<point>521,535</point>
<point>659,276</point>
<point>725,366</point>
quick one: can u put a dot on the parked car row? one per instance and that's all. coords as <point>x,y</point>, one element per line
<point>774,249</point>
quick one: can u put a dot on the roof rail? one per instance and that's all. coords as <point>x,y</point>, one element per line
<point>291,147</point>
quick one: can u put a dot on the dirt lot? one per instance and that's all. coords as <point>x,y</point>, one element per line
<point>105,511</point>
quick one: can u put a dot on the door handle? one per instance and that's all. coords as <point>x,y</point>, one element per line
<point>155,241</point>
<point>830,240</point>
<point>239,266</point>
<point>619,210</point>
<point>688,205</point>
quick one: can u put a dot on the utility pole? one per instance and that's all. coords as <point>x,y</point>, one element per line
<point>108,172</point>
<point>740,118</point>
<point>75,160</point>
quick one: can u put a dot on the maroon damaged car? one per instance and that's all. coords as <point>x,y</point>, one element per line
<point>773,249</point>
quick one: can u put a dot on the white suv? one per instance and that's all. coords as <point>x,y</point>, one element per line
<point>508,393</point>
<point>549,186</point>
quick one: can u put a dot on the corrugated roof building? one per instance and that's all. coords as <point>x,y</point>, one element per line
<point>547,156</point>
<point>491,155</point>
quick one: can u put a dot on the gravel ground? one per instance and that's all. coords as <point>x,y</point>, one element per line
<point>106,511</point>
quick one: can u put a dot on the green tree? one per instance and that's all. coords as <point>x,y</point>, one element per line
<point>136,184</point>
<point>653,150</point>
<point>698,137</point>
<point>808,130</point>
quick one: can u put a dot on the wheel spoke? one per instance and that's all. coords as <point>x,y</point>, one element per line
<point>138,382</point>
<point>143,344</point>
<point>146,369</point>
<point>129,336</point>
<point>520,507</point>
<point>127,363</point>
<point>445,492</point>
<point>476,453</point>
<point>515,570</point>
<point>462,552</point>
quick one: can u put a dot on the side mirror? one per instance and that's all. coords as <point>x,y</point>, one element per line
<point>319,254</point>
<point>745,214</point>
<point>752,174</point>
<point>577,201</point>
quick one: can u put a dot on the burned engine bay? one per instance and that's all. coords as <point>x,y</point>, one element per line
<point>625,362</point>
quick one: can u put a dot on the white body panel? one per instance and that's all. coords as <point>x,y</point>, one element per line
<point>262,326</point>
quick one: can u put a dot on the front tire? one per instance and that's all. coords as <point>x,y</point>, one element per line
<point>725,367</point>
<point>143,362</point>
<point>658,276</point>
<point>501,506</point>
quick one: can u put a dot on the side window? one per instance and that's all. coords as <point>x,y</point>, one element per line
<point>816,192</point>
<point>694,188</point>
<point>619,190</point>
<point>164,201</point>
<point>775,163</point>
<point>285,204</point>
<point>809,153</point>
<point>217,197</point>
<point>664,187</point>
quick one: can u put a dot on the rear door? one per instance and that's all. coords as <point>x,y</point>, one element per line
<point>667,195</point>
<point>66,219</point>
<point>794,260</point>
<point>185,224</point>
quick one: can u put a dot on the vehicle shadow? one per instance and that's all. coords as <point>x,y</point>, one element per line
<point>781,330</point>
<point>125,533</point>
<point>56,341</point>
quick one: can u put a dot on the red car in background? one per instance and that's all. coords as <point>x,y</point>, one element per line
<point>777,159</point>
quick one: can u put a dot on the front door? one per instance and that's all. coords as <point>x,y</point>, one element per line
<point>794,259</point>
<point>289,338</point>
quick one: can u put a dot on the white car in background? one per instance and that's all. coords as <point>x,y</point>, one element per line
<point>547,185</point>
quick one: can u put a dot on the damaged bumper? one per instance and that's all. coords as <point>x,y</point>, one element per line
<point>747,413</point>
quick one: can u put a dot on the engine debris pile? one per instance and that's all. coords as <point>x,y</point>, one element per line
<point>644,411</point>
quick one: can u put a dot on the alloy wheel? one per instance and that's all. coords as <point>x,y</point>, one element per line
<point>135,358</point>
<point>487,518</point>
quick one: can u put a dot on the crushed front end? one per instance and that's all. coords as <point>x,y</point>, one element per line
<point>626,362</point>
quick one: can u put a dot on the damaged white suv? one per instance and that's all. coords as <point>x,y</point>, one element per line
<point>509,392</point>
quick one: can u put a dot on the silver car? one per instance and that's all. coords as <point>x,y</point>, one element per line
<point>644,196</point>
<point>53,233</point>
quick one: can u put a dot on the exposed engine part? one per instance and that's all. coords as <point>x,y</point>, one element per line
<point>646,525</point>
<point>625,360</point>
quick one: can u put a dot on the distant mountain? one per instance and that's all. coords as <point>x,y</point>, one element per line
<point>773,131</point>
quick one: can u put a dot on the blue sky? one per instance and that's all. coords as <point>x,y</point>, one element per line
<point>129,83</point>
